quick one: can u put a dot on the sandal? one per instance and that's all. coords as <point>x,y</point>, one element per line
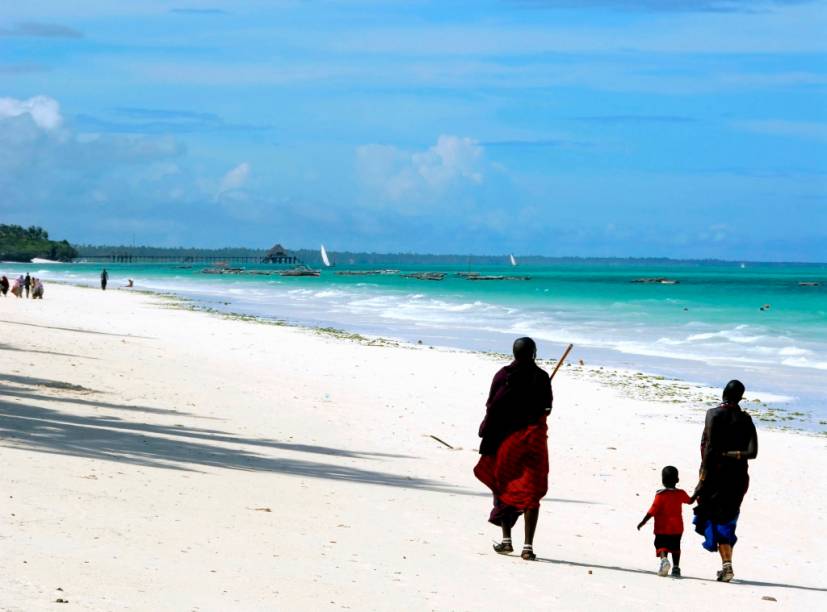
<point>504,547</point>
<point>528,554</point>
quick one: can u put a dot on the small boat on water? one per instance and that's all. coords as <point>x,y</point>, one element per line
<point>366,272</point>
<point>659,280</point>
<point>512,260</point>
<point>300,271</point>
<point>476,276</point>
<point>222,270</point>
<point>495,277</point>
<point>430,276</point>
<point>809,284</point>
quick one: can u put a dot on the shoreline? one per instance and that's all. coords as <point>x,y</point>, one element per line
<point>685,336</point>
<point>762,405</point>
<point>161,458</point>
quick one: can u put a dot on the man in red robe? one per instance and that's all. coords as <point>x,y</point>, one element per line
<point>514,448</point>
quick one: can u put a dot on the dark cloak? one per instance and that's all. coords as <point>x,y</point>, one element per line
<point>520,396</point>
<point>514,449</point>
<point>725,480</point>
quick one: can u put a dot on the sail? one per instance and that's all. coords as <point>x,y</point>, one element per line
<point>512,260</point>
<point>325,259</point>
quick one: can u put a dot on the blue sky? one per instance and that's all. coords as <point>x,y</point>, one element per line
<point>682,128</point>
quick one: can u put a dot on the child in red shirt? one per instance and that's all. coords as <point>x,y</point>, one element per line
<point>667,510</point>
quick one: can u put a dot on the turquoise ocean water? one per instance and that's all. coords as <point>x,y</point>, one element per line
<point>708,328</point>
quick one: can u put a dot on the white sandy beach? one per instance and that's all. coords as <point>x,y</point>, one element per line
<point>156,458</point>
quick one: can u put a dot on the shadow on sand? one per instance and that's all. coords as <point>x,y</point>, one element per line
<point>32,427</point>
<point>77,330</point>
<point>26,424</point>
<point>630,570</point>
<point>9,347</point>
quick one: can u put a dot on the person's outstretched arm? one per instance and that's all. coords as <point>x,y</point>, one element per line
<point>644,521</point>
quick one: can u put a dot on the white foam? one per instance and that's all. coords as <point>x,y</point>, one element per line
<point>803,362</point>
<point>328,293</point>
<point>794,351</point>
<point>624,327</point>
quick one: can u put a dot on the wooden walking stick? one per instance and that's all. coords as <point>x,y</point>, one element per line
<point>441,441</point>
<point>562,359</point>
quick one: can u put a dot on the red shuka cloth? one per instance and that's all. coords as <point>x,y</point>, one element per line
<point>518,473</point>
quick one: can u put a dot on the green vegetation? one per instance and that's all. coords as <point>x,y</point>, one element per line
<point>351,258</point>
<point>88,250</point>
<point>22,244</point>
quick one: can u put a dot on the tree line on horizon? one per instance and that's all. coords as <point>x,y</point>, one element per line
<point>313,257</point>
<point>21,244</point>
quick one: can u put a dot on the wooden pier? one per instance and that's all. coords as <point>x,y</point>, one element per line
<point>276,255</point>
<point>187,259</point>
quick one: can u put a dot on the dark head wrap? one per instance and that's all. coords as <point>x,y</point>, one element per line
<point>734,391</point>
<point>524,349</point>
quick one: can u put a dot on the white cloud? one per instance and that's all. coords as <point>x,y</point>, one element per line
<point>397,174</point>
<point>450,158</point>
<point>235,178</point>
<point>44,111</point>
<point>48,169</point>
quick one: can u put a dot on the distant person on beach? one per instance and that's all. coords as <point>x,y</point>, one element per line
<point>37,289</point>
<point>104,279</point>
<point>729,440</point>
<point>27,283</point>
<point>514,448</point>
<point>17,287</point>
<point>4,285</point>
<point>667,510</point>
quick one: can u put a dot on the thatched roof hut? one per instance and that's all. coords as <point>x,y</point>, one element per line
<point>278,254</point>
<point>276,251</point>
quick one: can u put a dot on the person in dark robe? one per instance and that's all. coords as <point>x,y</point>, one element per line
<point>27,283</point>
<point>17,287</point>
<point>37,289</point>
<point>729,440</point>
<point>514,447</point>
<point>104,279</point>
<point>4,285</point>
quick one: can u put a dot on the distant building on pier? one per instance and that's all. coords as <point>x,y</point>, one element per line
<point>278,254</point>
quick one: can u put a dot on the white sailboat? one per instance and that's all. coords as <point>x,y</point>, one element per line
<point>512,260</point>
<point>325,258</point>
